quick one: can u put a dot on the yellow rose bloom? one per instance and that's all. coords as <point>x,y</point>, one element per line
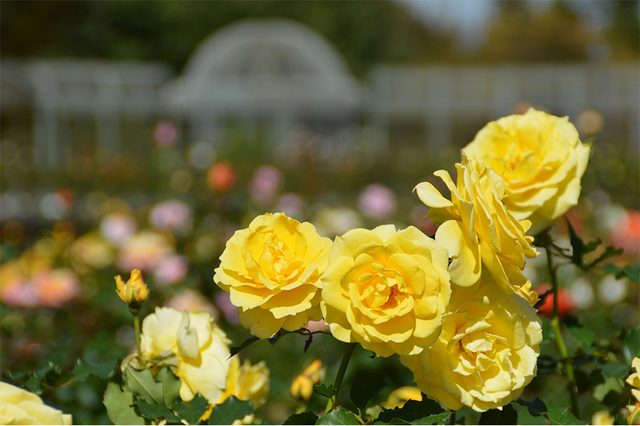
<point>476,227</point>
<point>194,345</point>
<point>400,396</point>
<point>602,417</point>
<point>486,353</point>
<point>634,379</point>
<point>541,160</point>
<point>386,289</point>
<point>19,407</point>
<point>247,382</point>
<point>271,271</point>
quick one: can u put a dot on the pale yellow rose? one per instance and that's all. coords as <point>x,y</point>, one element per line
<point>192,343</point>
<point>386,289</point>
<point>272,272</point>
<point>19,407</point>
<point>247,383</point>
<point>477,228</point>
<point>486,353</point>
<point>541,159</point>
<point>634,379</point>
<point>401,396</point>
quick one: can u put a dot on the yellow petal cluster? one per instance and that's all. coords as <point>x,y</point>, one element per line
<point>541,160</point>
<point>477,228</point>
<point>386,289</point>
<point>602,417</point>
<point>401,396</point>
<point>247,382</point>
<point>192,343</point>
<point>134,292</point>
<point>302,386</point>
<point>486,353</point>
<point>19,407</point>
<point>272,272</point>
<point>634,379</point>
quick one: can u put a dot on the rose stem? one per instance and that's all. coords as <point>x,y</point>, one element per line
<point>562,347</point>
<point>136,326</point>
<point>340,375</point>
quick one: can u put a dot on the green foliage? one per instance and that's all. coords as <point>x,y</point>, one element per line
<point>143,385</point>
<point>119,405</point>
<point>156,411</point>
<point>229,411</point>
<point>411,411</point>
<point>170,386</point>
<point>103,370</point>
<point>324,390</point>
<point>632,271</point>
<point>306,418</point>
<point>236,349</point>
<point>191,411</point>
<point>507,416</point>
<point>631,345</point>
<point>548,409</point>
<point>434,419</point>
<point>580,249</point>
<point>584,335</point>
<point>366,386</point>
<point>339,416</point>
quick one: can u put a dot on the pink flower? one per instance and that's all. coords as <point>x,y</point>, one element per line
<point>291,205</point>
<point>377,202</point>
<point>49,288</point>
<point>165,133</point>
<point>171,215</point>
<point>267,181</point>
<point>170,270</point>
<point>118,228</point>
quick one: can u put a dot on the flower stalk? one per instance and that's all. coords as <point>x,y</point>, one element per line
<point>136,327</point>
<point>557,331</point>
<point>340,376</point>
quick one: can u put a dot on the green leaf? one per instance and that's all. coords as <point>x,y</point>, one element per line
<point>306,418</point>
<point>579,247</point>
<point>609,252</point>
<point>399,422</point>
<point>229,411</point>
<point>324,390</point>
<point>192,410</point>
<point>631,345</point>
<point>170,386</point>
<point>631,271</point>
<point>236,349</point>
<point>584,335</point>
<point>507,416</point>
<point>365,386</point>
<point>84,369</point>
<point>143,386</point>
<point>411,411</point>
<point>339,416</point>
<point>537,407</point>
<point>156,411</point>
<point>119,406</point>
<point>434,419</point>
<point>615,369</point>
<point>561,416</point>
<point>611,384</point>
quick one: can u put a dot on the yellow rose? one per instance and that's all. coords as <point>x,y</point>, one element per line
<point>602,417</point>
<point>400,396</point>
<point>386,289</point>
<point>19,407</point>
<point>272,272</point>
<point>486,353</point>
<point>541,159</point>
<point>634,379</point>
<point>134,292</point>
<point>247,382</point>
<point>194,345</point>
<point>476,228</point>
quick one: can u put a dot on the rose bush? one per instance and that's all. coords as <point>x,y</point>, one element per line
<point>386,289</point>
<point>486,353</point>
<point>541,159</point>
<point>477,228</point>
<point>272,272</point>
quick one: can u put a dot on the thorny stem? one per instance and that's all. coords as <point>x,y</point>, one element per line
<point>341,371</point>
<point>562,347</point>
